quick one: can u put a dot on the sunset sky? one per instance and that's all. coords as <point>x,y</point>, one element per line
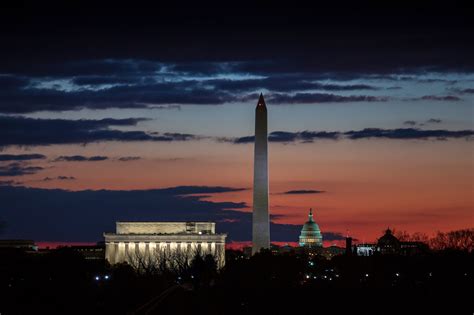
<point>150,116</point>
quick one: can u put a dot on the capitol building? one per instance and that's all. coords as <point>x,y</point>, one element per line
<point>311,236</point>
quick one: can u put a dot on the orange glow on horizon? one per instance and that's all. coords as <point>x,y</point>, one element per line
<point>418,186</point>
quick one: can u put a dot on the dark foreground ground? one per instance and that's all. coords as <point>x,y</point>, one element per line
<point>315,301</point>
<point>64,283</point>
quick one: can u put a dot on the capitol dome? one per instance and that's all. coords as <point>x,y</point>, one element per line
<point>311,234</point>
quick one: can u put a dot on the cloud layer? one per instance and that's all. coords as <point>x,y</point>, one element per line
<point>18,169</point>
<point>80,158</point>
<point>30,131</point>
<point>302,192</point>
<point>367,133</point>
<point>21,157</point>
<point>48,179</point>
<point>183,58</point>
<point>138,83</point>
<point>62,215</point>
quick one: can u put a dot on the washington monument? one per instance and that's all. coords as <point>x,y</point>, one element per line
<point>261,222</point>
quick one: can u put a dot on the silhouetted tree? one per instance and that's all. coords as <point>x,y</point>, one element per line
<point>458,240</point>
<point>405,236</point>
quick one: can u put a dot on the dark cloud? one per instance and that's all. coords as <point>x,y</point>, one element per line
<point>137,83</point>
<point>47,179</point>
<point>315,135</point>
<point>285,136</point>
<point>462,91</point>
<point>247,139</point>
<point>81,158</point>
<point>97,158</point>
<point>449,98</point>
<point>178,136</point>
<point>408,133</point>
<point>282,136</point>
<point>30,131</point>
<point>367,133</point>
<point>304,136</point>
<point>267,40</point>
<point>348,87</point>
<point>141,95</point>
<point>429,121</point>
<point>190,190</point>
<point>9,82</point>
<point>202,68</point>
<point>166,107</point>
<point>431,80</point>
<point>62,215</point>
<point>410,123</point>
<point>283,83</point>
<point>21,157</point>
<point>307,98</point>
<point>84,71</point>
<point>7,182</point>
<point>18,169</point>
<point>333,236</point>
<point>129,158</point>
<point>302,192</point>
<point>103,80</point>
<point>123,84</point>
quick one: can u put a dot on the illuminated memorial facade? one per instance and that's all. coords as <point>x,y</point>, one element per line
<point>152,240</point>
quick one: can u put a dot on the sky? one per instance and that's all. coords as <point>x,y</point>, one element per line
<point>134,114</point>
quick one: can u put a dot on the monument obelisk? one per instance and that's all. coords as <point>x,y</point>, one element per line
<point>261,222</point>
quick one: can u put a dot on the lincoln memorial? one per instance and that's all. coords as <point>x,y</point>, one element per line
<point>154,239</point>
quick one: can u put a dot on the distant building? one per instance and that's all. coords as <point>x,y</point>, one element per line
<point>149,241</point>
<point>91,252</point>
<point>413,248</point>
<point>310,233</point>
<point>388,244</point>
<point>26,245</point>
<point>348,246</point>
<point>365,249</point>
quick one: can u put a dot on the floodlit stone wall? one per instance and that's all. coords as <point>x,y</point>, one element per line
<point>165,227</point>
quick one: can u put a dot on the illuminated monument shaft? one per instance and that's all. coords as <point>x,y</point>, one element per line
<point>261,222</point>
